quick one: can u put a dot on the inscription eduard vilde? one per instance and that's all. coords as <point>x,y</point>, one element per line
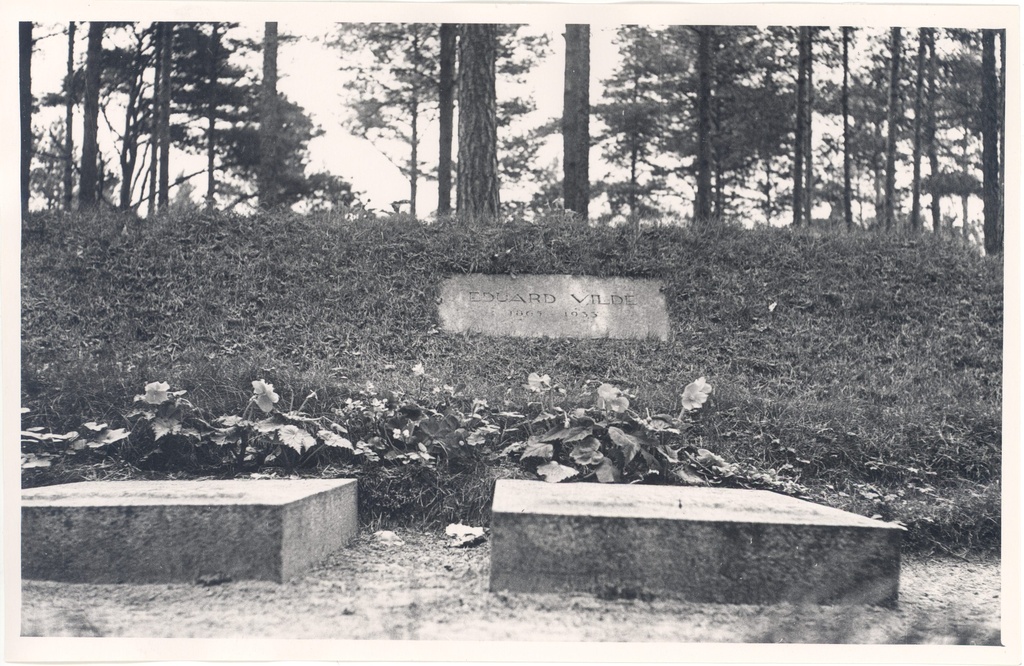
<point>554,305</point>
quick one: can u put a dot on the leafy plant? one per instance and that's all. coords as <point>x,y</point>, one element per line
<point>609,442</point>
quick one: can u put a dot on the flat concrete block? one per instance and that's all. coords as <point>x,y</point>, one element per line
<point>177,531</point>
<point>699,544</point>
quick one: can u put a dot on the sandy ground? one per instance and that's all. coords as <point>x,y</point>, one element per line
<point>423,589</point>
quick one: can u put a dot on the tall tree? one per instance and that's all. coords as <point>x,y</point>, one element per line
<point>642,98</point>
<point>847,152</point>
<point>398,88</point>
<point>163,122</point>
<point>702,206</point>
<point>270,122</point>
<point>896,47</point>
<point>576,119</point>
<point>212,98</point>
<point>89,189</point>
<point>124,80</point>
<point>809,128</point>
<point>930,139</point>
<point>990,102</point>
<point>448,39</point>
<point>799,144</point>
<point>25,45</point>
<point>477,181</point>
<point>915,205</point>
<point>69,117</point>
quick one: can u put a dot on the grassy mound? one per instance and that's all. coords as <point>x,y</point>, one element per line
<point>866,366</point>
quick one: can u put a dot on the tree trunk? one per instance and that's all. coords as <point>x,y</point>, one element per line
<point>25,97</point>
<point>213,76</point>
<point>270,122</point>
<point>477,179</point>
<point>915,205</point>
<point>893,119</point>
<point>129,149</point>
<point>414,155</point>
<point>702,207</point>
<point>990,101</point>
<point>576,120</point>
<point>446,113</point>
<point>88,183</point>
<point>164,117</point>
<point>847,156</point>
<point>808,127</point>
<point>933,156</point>
<point>798,139</point>
<point>154,143</point>
<point>1001,91</point>
<point>69,117</point>
<point>965,197</point>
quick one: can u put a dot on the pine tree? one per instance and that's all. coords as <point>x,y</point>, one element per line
<point>448,42</point>
<point>896,46</point>
<point>990,103</point>
<point>576,119</point>
<point>25,45</point>
<point>89,188</point>
<point>477,182</point>
<point>702,207</point>
<point>270,123</point>
<point>69,116</point>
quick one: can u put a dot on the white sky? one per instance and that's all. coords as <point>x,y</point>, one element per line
<point>310,75</point>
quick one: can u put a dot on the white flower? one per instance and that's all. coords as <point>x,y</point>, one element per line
<point>264,395</point>
<point>695,394</point>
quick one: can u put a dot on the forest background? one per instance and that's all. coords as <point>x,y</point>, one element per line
<point>890,120</point>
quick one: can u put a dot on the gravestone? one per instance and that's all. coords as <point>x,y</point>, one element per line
<point>557,306</point>
<point>699,544</point>
<point>178,531</point>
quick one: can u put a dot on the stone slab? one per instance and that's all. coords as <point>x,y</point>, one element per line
<point>699,544</point>
<point>557,306</point>
<point>177,531</point>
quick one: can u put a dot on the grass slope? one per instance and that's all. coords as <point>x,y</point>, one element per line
<point>875,378</point>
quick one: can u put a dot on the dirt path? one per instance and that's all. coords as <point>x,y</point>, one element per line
<point>422,589</point>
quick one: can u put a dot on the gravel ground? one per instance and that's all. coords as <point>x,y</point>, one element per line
<point>423,589</point>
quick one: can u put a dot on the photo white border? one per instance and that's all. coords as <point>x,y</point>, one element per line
<point>109,650</point>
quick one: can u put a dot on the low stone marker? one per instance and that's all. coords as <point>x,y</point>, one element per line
<point>557,306</point>
<point>178,531</point>
<point>699,544</point>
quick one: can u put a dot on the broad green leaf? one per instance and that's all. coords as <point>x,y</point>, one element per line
<point>554,434</point>
<point>552,472</point>
<point>688,477</point>
<point>709,459</point>
<point>587,452</point>
<point>537,449</point>
<point>335,440</point>
<point>607,472</point>
<point>670,454</point>
<point>513,448</point>
<point>629,444</point>
<point>295,438</point>
<point>268,425</point>
<point>578,433</point>
<point>163,427</point>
